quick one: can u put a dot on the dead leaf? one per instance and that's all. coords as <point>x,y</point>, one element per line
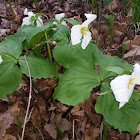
<point>80,113</point>
<point>52,83</point>
<point>64,125</point>
<point>51,129</point>
<point>113,6</point>
<point>6,119</point>
<point>62,107</point>
<point>14,110</point>
<point>8,137</point>
<point>75,109</point>
<point>120,26</point>
<point>132,53</point>
<point>90,112</point>
<point>95,133</point>
<point>52,108</point>
<point>135,42</point>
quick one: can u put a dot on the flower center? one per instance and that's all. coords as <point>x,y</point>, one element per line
<point>131,82</point>
<point>84,30</point>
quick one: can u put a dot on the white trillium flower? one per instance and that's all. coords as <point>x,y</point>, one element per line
<point>79,31</point>
<point>1,59</point>
<point>58,17</point>
<point>123,86</point>
<point>27,20</point>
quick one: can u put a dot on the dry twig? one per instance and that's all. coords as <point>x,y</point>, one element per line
<point>29,101</point>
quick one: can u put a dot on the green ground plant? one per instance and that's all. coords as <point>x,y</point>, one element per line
<point>79,60</point>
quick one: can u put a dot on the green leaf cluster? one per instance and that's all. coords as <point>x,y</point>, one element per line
<point>80,77</point>
<point>13,65</point>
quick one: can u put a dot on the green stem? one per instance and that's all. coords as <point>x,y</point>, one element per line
<point>11,7</point>
<point>8,96</point>
<point>41,93</point>
<point>48,47</point>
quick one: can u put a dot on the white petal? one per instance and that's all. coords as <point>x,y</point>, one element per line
<point>136,74</point>
<point>30,14</point>
<point>59,16</point>
<point>120,89</point>
<point>76,34</point>
<point>86,39</point>
<point>121,104</point>
<point>26,11</point>
<point>0,59</point>
<point>26,21</point>
<point>90,18</point>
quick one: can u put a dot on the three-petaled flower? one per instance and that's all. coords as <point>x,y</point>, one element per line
<point>123,86</point>
<point>27,20</point>
<point>79,31</point>
<point>58,17</point>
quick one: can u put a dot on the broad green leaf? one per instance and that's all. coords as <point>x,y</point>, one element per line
<point>10,78</point>
<point>32,32</point>
<point>6,57</point>
<point>72,21</point>
<point>64,28</point>
<point>60,35</point>
<point>12,45</point>
<point>125,119</point>
<point>117,70</point>
<point>106,2</point>
<point>39,66</point>
<point>75,85</point>
<point>109,61</point>
<point>69,56</point>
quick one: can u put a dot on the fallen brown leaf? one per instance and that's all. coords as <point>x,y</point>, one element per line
<point>51,129</point>
<point>6,119</point>
<point>14,110</point>
<point>8,137</point>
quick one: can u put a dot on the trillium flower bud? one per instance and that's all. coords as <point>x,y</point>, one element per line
<point>58,17</point>
<point>27,20</point>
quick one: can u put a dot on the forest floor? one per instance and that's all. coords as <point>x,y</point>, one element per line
<point>82,122</point>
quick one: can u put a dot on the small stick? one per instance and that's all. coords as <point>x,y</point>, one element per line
<point>29,101</point>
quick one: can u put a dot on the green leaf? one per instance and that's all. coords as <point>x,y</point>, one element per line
<point>72,21</point>
<point>117,70</point>
<point>102,61</point>
<point>12,45</point>
<point>6,57</point>
<point>38,14</point>
<point>75,85</point>
<point>125,119</point>
<point>60,35</point>
<point>10,78</point>
<point>39,66</point>
<point>64,28</point>
<point>55,20</point>
<point>69,56</point>
<point>32,32</point>
<point>106,2</point>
